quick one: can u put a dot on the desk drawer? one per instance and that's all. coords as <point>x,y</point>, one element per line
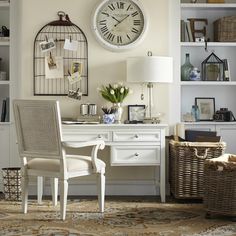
<point>138,136</point>
<point>135,155</point>
<point>86,136</point>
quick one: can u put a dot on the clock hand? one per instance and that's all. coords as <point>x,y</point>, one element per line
<point>121,21</point>
<point>115,19</point>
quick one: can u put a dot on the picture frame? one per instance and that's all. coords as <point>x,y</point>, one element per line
<point>206,107</point>
<point>136,113</point>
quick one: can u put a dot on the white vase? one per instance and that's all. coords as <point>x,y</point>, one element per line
<point>118,112</point>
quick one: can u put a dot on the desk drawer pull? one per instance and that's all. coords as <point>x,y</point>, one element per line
<point>136,136</point>
<point>136,154</point>
<point>99,136</point>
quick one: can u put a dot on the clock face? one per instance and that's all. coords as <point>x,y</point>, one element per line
<point>119,24</point>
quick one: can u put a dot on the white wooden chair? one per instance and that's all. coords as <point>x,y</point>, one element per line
<point>42,150</point>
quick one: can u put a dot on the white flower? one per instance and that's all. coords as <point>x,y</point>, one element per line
<point>122,90</point>
<point>98,89</point>
<point>112,92</point>
<point>131,91</point>
<point>115,86</point>
<point>120,83</point>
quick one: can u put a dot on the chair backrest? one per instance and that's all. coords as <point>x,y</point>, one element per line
<point>38,127</point>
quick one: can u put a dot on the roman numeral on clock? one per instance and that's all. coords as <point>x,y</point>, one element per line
<point>102,22</point>
<point>120,5</point>
<point>134,30</point>
<point>137,22</point>
<point>110,36</point>
<point>134,14</point>
<point>104,29</point>
<point>128,7</point>
<point>128,37</point>
<point>111,7</point>
<point>106,14</point>
<point>119,39</point>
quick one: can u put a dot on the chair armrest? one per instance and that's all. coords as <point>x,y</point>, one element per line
<point>97,144</point>
<point>76,144</point>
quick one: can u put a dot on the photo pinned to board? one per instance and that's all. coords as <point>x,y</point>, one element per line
<point>71,45</point>
<point>47,45</point>
<point>75,75</point>
<point>54,68</point>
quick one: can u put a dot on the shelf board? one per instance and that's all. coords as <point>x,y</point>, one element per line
<point>207,83</point>
<point>5,123</point>
<point>211,6</point>
<point>4,4</point>
<point>209,123</point>
<point>4,82</point>
<point>4,43</point>
<point>209,44</point>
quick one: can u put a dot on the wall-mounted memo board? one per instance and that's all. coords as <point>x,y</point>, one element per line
<point>51,79</point>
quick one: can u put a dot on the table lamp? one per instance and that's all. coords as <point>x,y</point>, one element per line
<point>149,70</point>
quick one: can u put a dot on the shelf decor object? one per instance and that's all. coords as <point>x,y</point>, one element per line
<point>60,59</point>
<point>186,68</point>
<point>213,68</point>
<point>149,70</point>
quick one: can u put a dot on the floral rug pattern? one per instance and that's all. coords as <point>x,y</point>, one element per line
<point>121,218</point>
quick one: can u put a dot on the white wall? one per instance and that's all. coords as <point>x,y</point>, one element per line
<point>104,66</point>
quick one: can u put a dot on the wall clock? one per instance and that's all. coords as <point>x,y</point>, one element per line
<point>119,24</point>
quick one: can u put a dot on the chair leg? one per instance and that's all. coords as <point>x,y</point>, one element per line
<point>54,190</point>
<point>39,189</point>
<point>25,184</point>
<point>101,190</point>
<point>63,197</point>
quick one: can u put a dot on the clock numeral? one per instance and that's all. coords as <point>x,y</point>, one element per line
<point>137,22</point>
<point>119,39</point>
<point>102,22</point>
<point>104,29</point>
<point>134,30</point>
<point>128,7</point>
<point>120,5</point>
<point>110,36</point>
<point>134,14</point>
<point>111,7</point>
<point>128,37</point>
<point>106,14</point>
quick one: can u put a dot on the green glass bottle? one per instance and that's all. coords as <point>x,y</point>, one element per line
<point>186,68</point>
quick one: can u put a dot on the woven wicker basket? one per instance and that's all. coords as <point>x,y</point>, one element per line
<point>12,183</point>
<point>220,186</point>
<point>187,166</point>
<point>225,29</point>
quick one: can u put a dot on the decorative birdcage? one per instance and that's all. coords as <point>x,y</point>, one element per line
<point>213,68</point>
<point>56,33</point>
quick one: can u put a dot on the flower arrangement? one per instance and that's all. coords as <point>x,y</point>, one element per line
<point>115,93</point>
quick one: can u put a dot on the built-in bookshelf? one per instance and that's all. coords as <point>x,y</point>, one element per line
<point>224,92</point>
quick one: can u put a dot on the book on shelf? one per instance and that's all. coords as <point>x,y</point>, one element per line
<point>186,34</point>
<point>3,114</point>
<point>7,110</point>
<point>226,75</point>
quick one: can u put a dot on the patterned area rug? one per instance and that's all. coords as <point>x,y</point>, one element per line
<point>121,218</point>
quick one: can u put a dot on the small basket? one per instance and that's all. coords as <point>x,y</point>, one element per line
<point>12,183</point>
<point>187,166</point>
<point>220,186</point>
<point>225,29</point>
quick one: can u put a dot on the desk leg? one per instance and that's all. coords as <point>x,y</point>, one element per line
<point>163,171</point>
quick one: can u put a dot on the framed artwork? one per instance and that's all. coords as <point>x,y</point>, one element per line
<point>206,108</point>
<point>136,113</point>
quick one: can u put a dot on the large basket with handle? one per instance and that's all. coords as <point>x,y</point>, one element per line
<point>187,166</point>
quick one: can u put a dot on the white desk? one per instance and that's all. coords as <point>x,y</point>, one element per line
<point>131,145</point>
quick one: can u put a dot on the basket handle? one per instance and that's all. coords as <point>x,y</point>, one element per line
<point>203,156</point>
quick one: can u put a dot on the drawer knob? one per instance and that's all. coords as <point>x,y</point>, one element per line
<point>136,154</point>
<point>136,136</point>
<point>99,136</point>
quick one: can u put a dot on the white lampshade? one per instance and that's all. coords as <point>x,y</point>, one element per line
<point>150,69</point>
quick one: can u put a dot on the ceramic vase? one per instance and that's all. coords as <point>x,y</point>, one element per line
<point>108,118</point>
